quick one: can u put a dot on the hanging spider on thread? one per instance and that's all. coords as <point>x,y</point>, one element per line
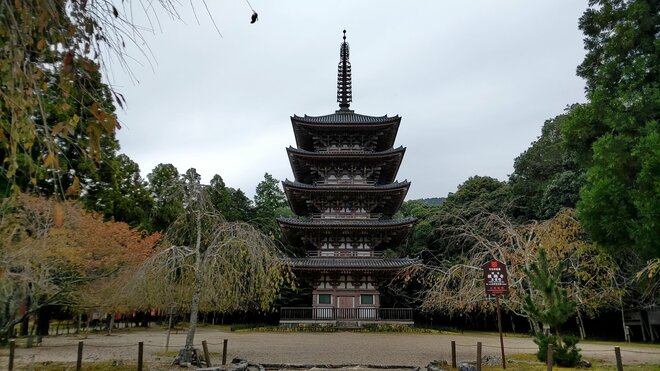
<point>255,15</point>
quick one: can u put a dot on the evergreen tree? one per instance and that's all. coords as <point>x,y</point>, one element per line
<point>551,306</point>
<point>546,176</point>
<point>165,187</point>
<point>617,134</point>
<point>268,200</point>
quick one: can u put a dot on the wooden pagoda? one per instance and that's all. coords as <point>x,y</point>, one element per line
<point>345,196</point>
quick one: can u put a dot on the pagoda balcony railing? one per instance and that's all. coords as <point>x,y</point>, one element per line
<point>344,254</point>
<point>347,215</point>
<point>346,149</point>
<point>339,182</point>
<point>355,314</point>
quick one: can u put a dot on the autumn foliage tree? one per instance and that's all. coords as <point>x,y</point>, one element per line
<point>57,254</point>
<point>455,284</point>
<point>206,263</point>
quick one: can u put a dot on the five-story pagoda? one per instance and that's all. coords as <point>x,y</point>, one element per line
<point>345,196</point>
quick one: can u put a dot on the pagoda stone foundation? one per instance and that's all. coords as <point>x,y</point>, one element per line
<point>345,196</point>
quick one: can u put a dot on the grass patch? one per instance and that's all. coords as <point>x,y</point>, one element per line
<point>620,344</point>
<point>528,362</point>
<point>87,366</point>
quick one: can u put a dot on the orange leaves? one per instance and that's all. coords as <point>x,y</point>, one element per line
<point>63,239</point>
<point>74,188</point>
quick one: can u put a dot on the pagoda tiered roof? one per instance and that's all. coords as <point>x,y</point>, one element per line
<point>354,264</point>
<point>300,195</point>
<point>346,117</point>
<point>296,230</point>
<point>303,161</point>
<point>307,128</point>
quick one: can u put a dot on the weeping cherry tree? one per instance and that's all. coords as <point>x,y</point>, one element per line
<point>207,263</point>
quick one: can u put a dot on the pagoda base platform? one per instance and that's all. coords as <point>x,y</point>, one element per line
<point>344,317</point>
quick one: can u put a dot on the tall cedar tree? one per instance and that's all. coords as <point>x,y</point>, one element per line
<point>617,134</point>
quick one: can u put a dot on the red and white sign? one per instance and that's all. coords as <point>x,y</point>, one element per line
<point>495,278</point>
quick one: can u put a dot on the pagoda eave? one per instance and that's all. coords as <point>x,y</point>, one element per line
<point>315,224</point>
<point>303,162</point>
<point>305,132</point>
<point>301,195</point>
<point>349,264</point>
<point>345,118</point>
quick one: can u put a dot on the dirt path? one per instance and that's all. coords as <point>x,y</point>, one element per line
<point>304,348</point>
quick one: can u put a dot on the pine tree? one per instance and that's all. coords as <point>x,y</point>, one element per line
<point>551,306</point>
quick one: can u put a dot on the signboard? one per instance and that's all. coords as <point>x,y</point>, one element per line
<point>495,278</point>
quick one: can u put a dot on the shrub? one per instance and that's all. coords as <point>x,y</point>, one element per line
<point>566,354</point>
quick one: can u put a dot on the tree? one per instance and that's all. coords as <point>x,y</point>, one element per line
<point>617,133</point>
<point>423,237</point>
<point>546,177</point>
<point>43,40</point>
<point>455,284</point>
<point>549,303</point>
<point>592,276</point>
<point>56,254</point>
<point>477,196</point>
<point>268,199</point>
<point>165,187</point>
<point>232,203</point>
<point>130,199</point>
<point>207,263</point>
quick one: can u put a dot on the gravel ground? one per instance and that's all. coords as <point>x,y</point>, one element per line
<point>302,348</point>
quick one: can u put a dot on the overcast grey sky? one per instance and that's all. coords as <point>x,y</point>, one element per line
<point>473,80</point>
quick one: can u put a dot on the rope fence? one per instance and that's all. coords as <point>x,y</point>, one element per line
<point>206,354</point>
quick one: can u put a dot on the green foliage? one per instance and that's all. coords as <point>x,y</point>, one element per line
<point>546,176</point>
<point>567,355</point>
<point>435,236</point>
<point>477,195</point>
<point>49,62</point>
<point>231,203</point>
<point>268,200</point>
<point>432,201</point>
<point>165,187</point>
<point>551,305</point>
<point>479,192</point>
<point>423,235</point>
<point>617,134</point>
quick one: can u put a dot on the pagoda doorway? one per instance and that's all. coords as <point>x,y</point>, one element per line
<point>345,307</point>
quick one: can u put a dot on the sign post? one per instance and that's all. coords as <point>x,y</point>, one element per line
<point>497,284</point>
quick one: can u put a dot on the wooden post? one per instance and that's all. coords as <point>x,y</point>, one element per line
<point>140,356</point>
<point>453,354</point>
<point>169,330</point>
<point>619,363</point>
<point>499,327</point>
<point>79,358</point>
<point>549,357</point>
<point>478,356</point>
<point>224,352</point>
<point>207,356</point>
<point>12,350</point>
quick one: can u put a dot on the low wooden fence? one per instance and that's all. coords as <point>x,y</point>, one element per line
<point>354,314</point>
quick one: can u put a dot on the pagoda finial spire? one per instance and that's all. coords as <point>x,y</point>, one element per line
<point>344,89</point>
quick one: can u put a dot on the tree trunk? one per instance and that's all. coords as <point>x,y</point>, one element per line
<point>188,355</point>
<point>111,323</point>
<point>626,334</point>
<point>25,323</point>
<point>43,321</point>
<point>534,326</point>
<point>583,333</point>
